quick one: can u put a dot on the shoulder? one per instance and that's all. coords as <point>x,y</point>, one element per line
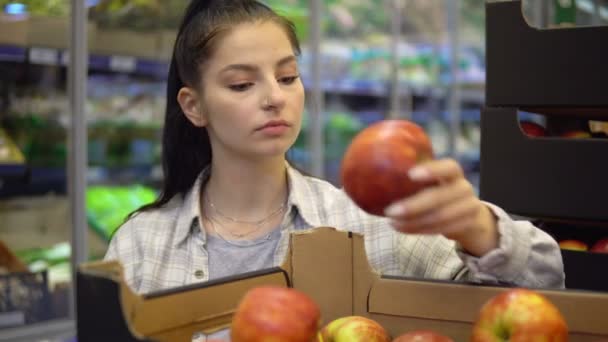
<point>152,222</point>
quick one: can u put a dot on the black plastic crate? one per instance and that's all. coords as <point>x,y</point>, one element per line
<point>530,67</point>
<point>541,177</point>
<point>584,270</point>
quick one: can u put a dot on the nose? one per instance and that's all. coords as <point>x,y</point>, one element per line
<point>275,96</point>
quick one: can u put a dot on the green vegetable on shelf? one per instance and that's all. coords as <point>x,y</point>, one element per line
<point>108,207</point>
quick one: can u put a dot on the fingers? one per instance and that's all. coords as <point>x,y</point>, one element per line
<point>430,199</point>
<point>448,219</point>
<point>441,169</point>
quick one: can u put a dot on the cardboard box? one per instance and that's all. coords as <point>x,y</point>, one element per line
<point>345,285</point>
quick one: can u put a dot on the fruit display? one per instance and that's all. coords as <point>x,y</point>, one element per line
<point>533,129</point>
<point>592,245</point>
<point>573,245</point>
<point>601,246</point>
<point>288,315</point>
<point>422,336</point>
<point>375,167</point>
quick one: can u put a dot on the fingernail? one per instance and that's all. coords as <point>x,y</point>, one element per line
<point>419,173</point>
<point>395,210</point>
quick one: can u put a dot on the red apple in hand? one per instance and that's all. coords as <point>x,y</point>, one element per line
<point>353,329</point>
<point>600,246</point>
<point>573,245</point>
<point>375,166</point>
<point>532,129</point>
<point>270,313</point>
<point>519,315</point>
<point>422,336</point>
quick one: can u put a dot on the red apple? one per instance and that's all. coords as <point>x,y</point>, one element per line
<point>532,129</point>
<point>519,315</point>
<point>375,166</point>
<point>422,336</point>
<point>573,245</point>
<point>600,246</point>
<point>269,313</point>
<point>353,329</point>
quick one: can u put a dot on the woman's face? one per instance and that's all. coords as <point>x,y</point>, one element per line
<point>252,98</point>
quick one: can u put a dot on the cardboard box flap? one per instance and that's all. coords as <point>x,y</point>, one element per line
<point>427,299</point>
<point>109,311</point>
<point>454,302</point>
<point>215,301</point>
<point>328,254</point>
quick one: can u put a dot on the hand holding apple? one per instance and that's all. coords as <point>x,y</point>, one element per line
<point>519,315</point>
<point>353,329</point>
<point>451,208</point>
<point>271,313</point>
<point>422,336</point>
<point>375,166</point>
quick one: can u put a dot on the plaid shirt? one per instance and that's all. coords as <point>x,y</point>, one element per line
<point>165,247</point>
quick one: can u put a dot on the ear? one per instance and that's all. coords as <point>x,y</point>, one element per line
<point>191,105</point>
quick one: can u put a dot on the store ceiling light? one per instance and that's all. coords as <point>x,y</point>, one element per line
<point>15,8</point>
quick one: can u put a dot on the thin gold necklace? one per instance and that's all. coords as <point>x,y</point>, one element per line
<point>258,223</point>
<point>253,223</point>
<point>212,225</point>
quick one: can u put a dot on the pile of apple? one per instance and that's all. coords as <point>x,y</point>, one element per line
<point>280,314</point>
<point>600,246</point>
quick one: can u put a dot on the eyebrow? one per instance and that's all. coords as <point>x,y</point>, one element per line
<point>251,68</point>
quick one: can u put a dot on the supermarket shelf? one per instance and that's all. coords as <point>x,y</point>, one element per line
<point>44,180</point>
<point>158,69</point>
<point>9,53</point>
<point>38,181</point>
<point>60,57</point>
<point>11,171</point>
<point>377,88</point>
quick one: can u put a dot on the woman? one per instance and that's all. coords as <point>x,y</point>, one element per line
<point>230,198</point>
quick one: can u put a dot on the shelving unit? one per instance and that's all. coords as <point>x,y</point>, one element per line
<point>558,73</point>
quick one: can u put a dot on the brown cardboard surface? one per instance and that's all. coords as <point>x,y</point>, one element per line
<point>177,314</point>
<point>195,307</point>
<point>320,266</point>
<point>332,267</point>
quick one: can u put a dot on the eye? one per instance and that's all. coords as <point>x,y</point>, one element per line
<point>288,80</point>
<point>240,86</point>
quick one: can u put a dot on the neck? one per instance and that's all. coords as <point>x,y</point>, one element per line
<point>247,190</point>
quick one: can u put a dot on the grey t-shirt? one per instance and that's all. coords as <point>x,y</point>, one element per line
<point>236,257</point>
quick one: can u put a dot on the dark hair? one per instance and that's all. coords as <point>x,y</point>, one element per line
<point>186,149</point>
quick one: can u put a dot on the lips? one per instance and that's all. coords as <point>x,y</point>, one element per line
<point>274,123</point>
